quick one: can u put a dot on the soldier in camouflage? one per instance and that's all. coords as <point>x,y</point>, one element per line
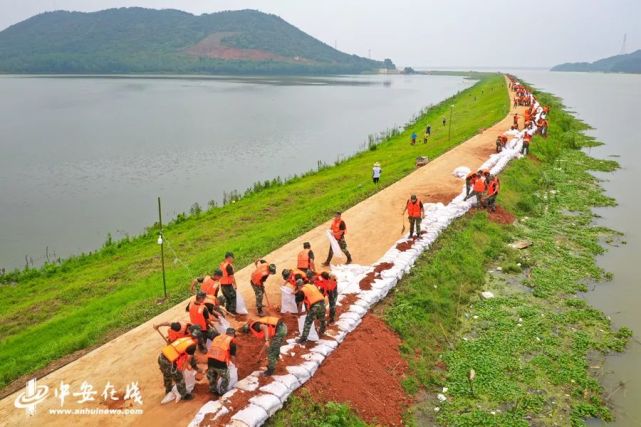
<point>172,372</point>
<point>274,331</point>
<point>315,304</point>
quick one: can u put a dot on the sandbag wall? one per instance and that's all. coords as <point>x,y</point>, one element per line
<point>261,402</point>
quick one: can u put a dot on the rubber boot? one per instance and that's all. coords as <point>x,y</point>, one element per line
<point>268,372</point>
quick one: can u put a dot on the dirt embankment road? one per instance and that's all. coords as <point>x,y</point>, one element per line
<point>373,227</point>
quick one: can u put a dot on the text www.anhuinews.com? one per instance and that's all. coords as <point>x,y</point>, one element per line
<point>95,411</point>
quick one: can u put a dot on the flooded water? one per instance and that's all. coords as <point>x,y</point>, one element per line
<point>610,104</point>
<point>83,157</point>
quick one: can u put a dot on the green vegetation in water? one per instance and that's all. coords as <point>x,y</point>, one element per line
<point>86,300</point>
<point>531,346</point>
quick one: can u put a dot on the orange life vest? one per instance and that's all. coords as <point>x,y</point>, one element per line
<point>226,279</point>
<point>312,295</point>
<point>220,348</point>
<point>336,229</point>
<point>209,286</point>
<point>479,185</point>
<point>210,299</point>
<point>270,322</point>
<point>303,260</point>
<point>326,285</point>
<point>471,178</point>
<point>261,271</point>
<point>527,138</point>
<point>414,209</point>
<point>301,273</point>
<point>174,335</point>
<point>177,351</point>
<point>196,316</point>
<point>493,187</point>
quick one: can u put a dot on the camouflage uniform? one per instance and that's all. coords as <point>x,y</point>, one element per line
<point>171,375</point>
<point>273,353</point>
<point>343,245</point>
<point>332,296</point>
<point>213,374</point>
<point>230,297</point>
<point>316,311</point>
<point>259,291</point>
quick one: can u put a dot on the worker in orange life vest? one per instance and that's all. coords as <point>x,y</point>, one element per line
<point>478,188</point>
<point>175,358</point>
<point>221,352</point>
<point>305,259</point>
<point>338,230</point>
<point>208,284</point>
<point>228,282</point>
<point>314,303</point>
<point>176,330</point>
<point>200,316</point>
<point>257,281</point>
<point>328,286</point>
<point>493,187</point>
<point>415,213</point>
<point>525,149</point>
<point>273,331</point>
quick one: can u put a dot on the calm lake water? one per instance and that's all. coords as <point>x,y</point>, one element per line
<point>82,157</point>
<point>610,104</point>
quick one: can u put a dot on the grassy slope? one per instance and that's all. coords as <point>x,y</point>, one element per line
<point>80,303</point>
<point>529,372</point>
<point>530,345</point>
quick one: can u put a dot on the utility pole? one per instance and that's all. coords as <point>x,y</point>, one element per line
<point>449,131</point>
<point>161,242</point>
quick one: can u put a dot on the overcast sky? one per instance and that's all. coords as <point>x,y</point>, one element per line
<point>444,33</point>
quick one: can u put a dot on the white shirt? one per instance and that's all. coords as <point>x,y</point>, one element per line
<point>376,172</point>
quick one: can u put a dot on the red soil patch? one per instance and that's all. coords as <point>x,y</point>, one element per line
<point>366,283</point>
<point>346,302</point>
<point>383,266</point>
<point>404,246</point>
<point>500,216</point>
<point>444,198</point>
<point>366,372</point>
<point>239,400</point>
<point>213,46</point>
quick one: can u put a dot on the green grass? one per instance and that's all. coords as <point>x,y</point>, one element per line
<point>530,345</point>
<point>59,309</point>
<point>304,411</point>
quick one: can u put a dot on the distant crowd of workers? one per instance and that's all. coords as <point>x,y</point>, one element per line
<point>215,294</point>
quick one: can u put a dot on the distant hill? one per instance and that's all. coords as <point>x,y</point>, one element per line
<point>629,63</point>
<point>137,40</point>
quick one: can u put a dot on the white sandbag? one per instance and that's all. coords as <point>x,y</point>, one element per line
<point>334,244</point>
<point>311,366</point>
<point>213,408</point>
<point>280,390</point>
<point>241,308</point>
<point>349,315</point>
<point>329,343</point>
<point>301,373</point>
<point>268,402</point>
<point>322,350</point>
<point>169,397</point>
<point>314,357</point>
<point>346,325</point>
<point>461,172</point>
<point>337,335</point>
<point>313,335</point>
<point>221,325</point>
<point>290,381</point>
<point>287,300</point>
<point>252,415</point>
<point>357,308</point>
<point>249,383</point>
<point>284,349</point>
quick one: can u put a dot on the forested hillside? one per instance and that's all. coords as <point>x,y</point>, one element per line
<point>137,40</point>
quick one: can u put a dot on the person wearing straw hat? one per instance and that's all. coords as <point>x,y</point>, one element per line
<point>376,172</point>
